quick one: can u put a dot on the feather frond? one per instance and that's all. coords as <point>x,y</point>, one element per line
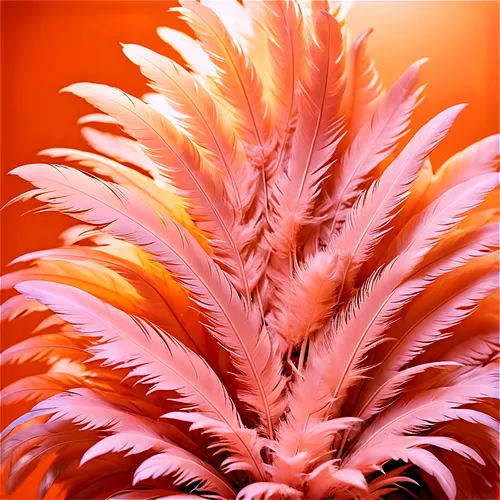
<point>376,140</point>
<point>318,133</point>
<point>269,292</point>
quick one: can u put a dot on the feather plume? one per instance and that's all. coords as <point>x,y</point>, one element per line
<point>376,140</point>
<point>132,343</point>
<point>179,161</point>
<point>237,80</point>
<point>122,149</point>
<point>379,204</point>
<point>316,138</point>
<point>263,491</point>
<point>198,115</point>
<point>364,86</point>
<point>267,293</point>
<point>287,44</point>
<point>237,328</point>
<point>187,469</point>
<point>483,157</point>
<point>190,49</point>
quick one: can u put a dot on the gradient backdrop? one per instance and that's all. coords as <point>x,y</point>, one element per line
<point>47,45</point>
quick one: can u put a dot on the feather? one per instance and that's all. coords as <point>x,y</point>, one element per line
<point>133,443</point>
<point>236,80</point>
<point>122,149</point>
<point>239,86</point>
<point>89,410</point>
<point>187,469</point>
<point>392,388</point>
<point>45,348</point>
<point>306,434</point>
<point>18,307</point>
<point>308,304</point>
<point>428,408</point>
<point>35,456</point>
<point>327,478</point>
<point>408,449</point>
<point>315,140</point>
<point>179,161</point>
<point>480,348</point>
<point>263,491</point>
<point>131,343</point>
<point>411,208</point>
<point>383,298</point>
<point>287,43</point>
<point>410,343</point>
<point>259,267</point>
<point>389,478</point>
<point>92,411</point>
<point>419,329</point>
<point>481,158</point>
<point>151,494</point>
<point>364,88</point>
<point>199,116</point>
<point>160,299</point>
<point>446,212</point>
<point>376,140</point>
<point>429,463</point>
<point>190,50</point>
<point>97,118</point>
<point>36,388</point>
<point>378,206</point>
<point>235,326</point>
<point>91,277</point>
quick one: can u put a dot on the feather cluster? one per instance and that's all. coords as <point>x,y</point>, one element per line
<point>271,293</point>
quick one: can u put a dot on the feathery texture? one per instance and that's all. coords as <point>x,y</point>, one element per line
<point>270,292</point>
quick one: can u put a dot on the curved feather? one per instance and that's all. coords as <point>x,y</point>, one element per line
<point>237,80</point>
<point>310,300</point>
<point>122,149</point>
<point>376,140</point>
<point>315,140</point>
<point>160,298</point>
<point>151,355</point>
<point>190,50</point>
<point>45,348</point>
<point>91,277</point>
<point>235,326</point>
<point>36,388</point>
<point>18,307</point>
<point>161,198</point>
<point>305,437</point>
<point>364,87</point>
<point>263,491</point>
<point>374,211</point>
<point>287,44</point>
<point>179,161</point>
<point>362,325</point>
<point>392,388</point>
<point>453,298</point>
<point>428,408</point>
<point>198,115</point>
<point>97,118</point>
<point>327,478</point>
<point>480,158</point>
<point>187,469</point>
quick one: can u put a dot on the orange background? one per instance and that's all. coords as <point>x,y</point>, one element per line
<point>47,45</point>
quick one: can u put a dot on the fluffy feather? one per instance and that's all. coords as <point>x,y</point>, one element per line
<point>364,86</point>
<point>315,140</point>
<point>241,334</point>
<point>261,298</point>
<point>375,141</point>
